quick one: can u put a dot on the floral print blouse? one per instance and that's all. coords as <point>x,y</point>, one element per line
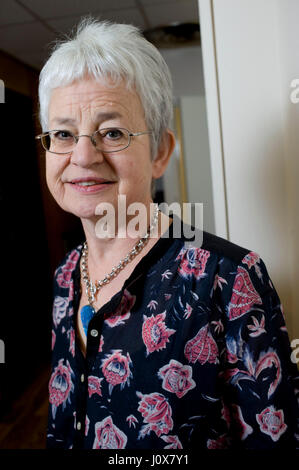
<point>192,353</point>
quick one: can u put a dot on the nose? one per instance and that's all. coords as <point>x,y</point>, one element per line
<point>85,154</point>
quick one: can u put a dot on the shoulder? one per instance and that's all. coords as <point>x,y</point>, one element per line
<point>250,269</point>
<point>225,248</point>
<point>195,239</point>
<point>213,256</point>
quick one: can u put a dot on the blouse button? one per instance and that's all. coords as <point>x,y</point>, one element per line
<point>94,333</point>
<point>78,425</point>
<point>82,378</point>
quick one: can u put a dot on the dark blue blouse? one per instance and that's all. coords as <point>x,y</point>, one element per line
<point>192,353</point>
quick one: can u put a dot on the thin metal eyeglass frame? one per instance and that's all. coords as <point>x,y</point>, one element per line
<point>76,137</point>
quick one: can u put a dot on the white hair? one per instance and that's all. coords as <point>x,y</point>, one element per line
<point>111,52</point>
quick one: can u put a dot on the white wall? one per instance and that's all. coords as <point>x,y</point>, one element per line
<point>253,64</point>
<point>288,14</point>
<point>197,156</point>
<point>185,64</point>
<point>186,67</point>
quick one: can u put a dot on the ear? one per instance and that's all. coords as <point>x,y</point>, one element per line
<point>166,147</point>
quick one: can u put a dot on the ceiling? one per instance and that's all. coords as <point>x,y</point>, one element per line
<point>28,26</point>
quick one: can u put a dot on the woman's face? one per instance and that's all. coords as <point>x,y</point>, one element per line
<point>82,108</point>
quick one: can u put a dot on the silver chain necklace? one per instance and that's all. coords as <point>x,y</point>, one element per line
<point>92,288</point>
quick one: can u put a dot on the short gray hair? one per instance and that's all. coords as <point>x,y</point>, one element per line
<point>111,51</point>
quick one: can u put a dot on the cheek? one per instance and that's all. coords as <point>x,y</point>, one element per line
<point>141,173</point>
<point>54,170</point>
<point>48,174</point>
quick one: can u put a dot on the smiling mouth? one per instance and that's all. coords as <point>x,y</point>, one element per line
<point>91,183</point>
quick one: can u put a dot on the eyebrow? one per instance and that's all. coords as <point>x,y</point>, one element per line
<point>101,116</point>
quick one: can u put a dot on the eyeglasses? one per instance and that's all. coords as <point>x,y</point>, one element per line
<point>110,139</point>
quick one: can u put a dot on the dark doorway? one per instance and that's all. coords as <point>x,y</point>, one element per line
<point>26,285</point>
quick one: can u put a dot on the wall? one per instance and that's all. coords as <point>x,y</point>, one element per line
<point>197,156</point>
<point>256,138</point>
<point>24,79</point>
<point>185,64</point>
<point>186,68</point>
<point>17,76</point>
<point>288,13</point>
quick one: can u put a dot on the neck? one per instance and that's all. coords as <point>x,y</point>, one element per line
<point>107,252</point>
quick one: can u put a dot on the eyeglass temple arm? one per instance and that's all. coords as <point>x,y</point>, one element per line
<point>139,133</point>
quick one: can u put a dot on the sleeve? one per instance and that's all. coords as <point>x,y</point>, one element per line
<point>60,417</point>
<point>260,381</point>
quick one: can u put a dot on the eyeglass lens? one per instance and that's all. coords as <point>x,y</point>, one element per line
<point>109,139</point>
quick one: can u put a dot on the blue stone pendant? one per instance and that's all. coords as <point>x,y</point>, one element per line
<point>87,312</point>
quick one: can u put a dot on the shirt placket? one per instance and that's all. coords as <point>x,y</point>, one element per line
<point>85,367</point>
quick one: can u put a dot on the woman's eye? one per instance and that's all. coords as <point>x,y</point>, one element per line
<point>113,134</point>
<point>62,135</point>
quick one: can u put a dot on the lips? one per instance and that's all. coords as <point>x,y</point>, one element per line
<point>89,184</point>
<point>89,180</point>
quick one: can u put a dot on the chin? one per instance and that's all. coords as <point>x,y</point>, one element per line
<point>79,209</point>
<point>83,213</point>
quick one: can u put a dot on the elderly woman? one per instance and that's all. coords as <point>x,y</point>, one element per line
<point>157,344</point>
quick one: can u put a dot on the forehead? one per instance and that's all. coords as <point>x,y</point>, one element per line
<point>88,97</point>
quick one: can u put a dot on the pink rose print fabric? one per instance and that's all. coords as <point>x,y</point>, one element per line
<point>243,429</point>
<point>94,385</point>
<point>253,259</point>
<point>177,378</point>
<point>193,262</point>
<point>155,333</point>
<point>59,309</point>
<point>60,386</point>
<point>156,413</point>
<point>244,295</point>
<point>132,420</point>
<point>123,311</point>
<point>173,442</point>
<point>271,422</point>
<point>64,275</point>
<point>53,339</point>
<point>192,353</point>
<point>202,347</point>
<point>71,336</point>
<point>116,369</point>
<point>108,436</point>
